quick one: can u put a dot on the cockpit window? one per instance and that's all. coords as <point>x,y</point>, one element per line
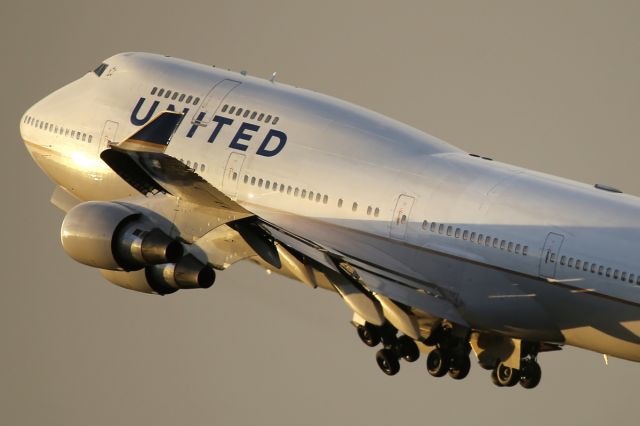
<point>100,69</point>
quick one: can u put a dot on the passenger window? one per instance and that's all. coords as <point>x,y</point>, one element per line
<point>517,249</point>
<point>253,115</point>
<point>310,195</point>
<point>525,250</point>
<point>616,274</point>
<point>570,262</point>
<point>487,241</point>
<point>282,187</point>
<point>632,278</point>
<point>275,120</point>
<point>369,210</point>
<point>260,117</point>
<point>563,260</point>
<point>552,258</point>
<point>585,266</point>
<point>325,199</point>
<point>449,231</point>
<point>503,245</point>
<point>340,202</point>
<point>166,95</point>
<point>73,134</point>
<point>246,178</point>
<point>623,276</point>
<point>593,268</point>
<point>296,192</point>
<point>354,207</point>
<point>196,100</point>
<point>181,98</point>
<point>404,219</point>
<point>433,227</point>
<point>376,212</point>
<point>465,235</point>
<point>638,280</point>
<point>318,197</point>
<point>304,193</point>
<point>189,99</point>
<point>260,182</point>
<point>238,112</point>
<point>232,109</point>
<point>495,243</point>
<point>268,119</point>
<point>441,229</point>
<point>246,113</point>
<point>90,137</point>
<point>202,168</point>
<point>224,108</point>
<point>425,224</point>
<point>608,273</point>
<point>289,190</point>
<point>235,176</point>
<point>175,96</point>
<point>578,263</point>
<point>600,269</point>
<point>253,180</point>
<point>188,163</point>
<point>161,92</point>
<point>473,237</point>
<point>458,232</point>
<point>480,239</point>
<point>267,185</point>
<point>84,137</point>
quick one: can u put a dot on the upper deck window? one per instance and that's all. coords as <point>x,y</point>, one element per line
<point>100,69</point>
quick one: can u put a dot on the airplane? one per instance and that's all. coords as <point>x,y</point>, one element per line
<point>169,171</point>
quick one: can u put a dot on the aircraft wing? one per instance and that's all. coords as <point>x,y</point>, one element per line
<point>293,247</point>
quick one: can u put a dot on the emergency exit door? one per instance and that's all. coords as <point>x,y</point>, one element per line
<point>550,255</point>
<point>400,220</point>
<point>231,176</point>
<point>108,135</point>
<point>212,101</point>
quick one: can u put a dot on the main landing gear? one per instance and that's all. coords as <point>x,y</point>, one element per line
<point>395,348</point>
<point>528,375</point>
<point>450,355</point>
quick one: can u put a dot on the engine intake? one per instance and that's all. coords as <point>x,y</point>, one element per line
<point>111,236</point>
<point>168,278</point>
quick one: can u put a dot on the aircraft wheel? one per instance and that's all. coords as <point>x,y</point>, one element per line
<point>369,335</point>
<point>494,378</point>
<point>531,375</point>
<point>438,363</point>
<point>408,349</point>
<point>460,366</point>
<point>388,362</point>
<point>507,376</point>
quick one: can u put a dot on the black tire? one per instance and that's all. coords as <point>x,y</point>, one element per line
<point>460,367</point>
<point>408,349</point>
<point>388,362</point>
<point>369,335</point>
<point>494,378</point>
<point>438,362</point>
<point>507,376</point>
<point>531,375</point>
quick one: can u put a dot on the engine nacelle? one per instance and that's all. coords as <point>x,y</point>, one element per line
<point>168,278</point>
<point>111,236</point>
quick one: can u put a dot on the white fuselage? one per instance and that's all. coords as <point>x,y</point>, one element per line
<point>524,253</point>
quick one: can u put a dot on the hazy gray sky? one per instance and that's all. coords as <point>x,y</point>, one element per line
<point>549,85</point>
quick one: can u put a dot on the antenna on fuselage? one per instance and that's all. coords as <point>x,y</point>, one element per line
<point>273,77</point>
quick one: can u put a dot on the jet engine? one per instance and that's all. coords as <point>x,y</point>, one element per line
<point>168,278</point>
<point>111,236</point>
